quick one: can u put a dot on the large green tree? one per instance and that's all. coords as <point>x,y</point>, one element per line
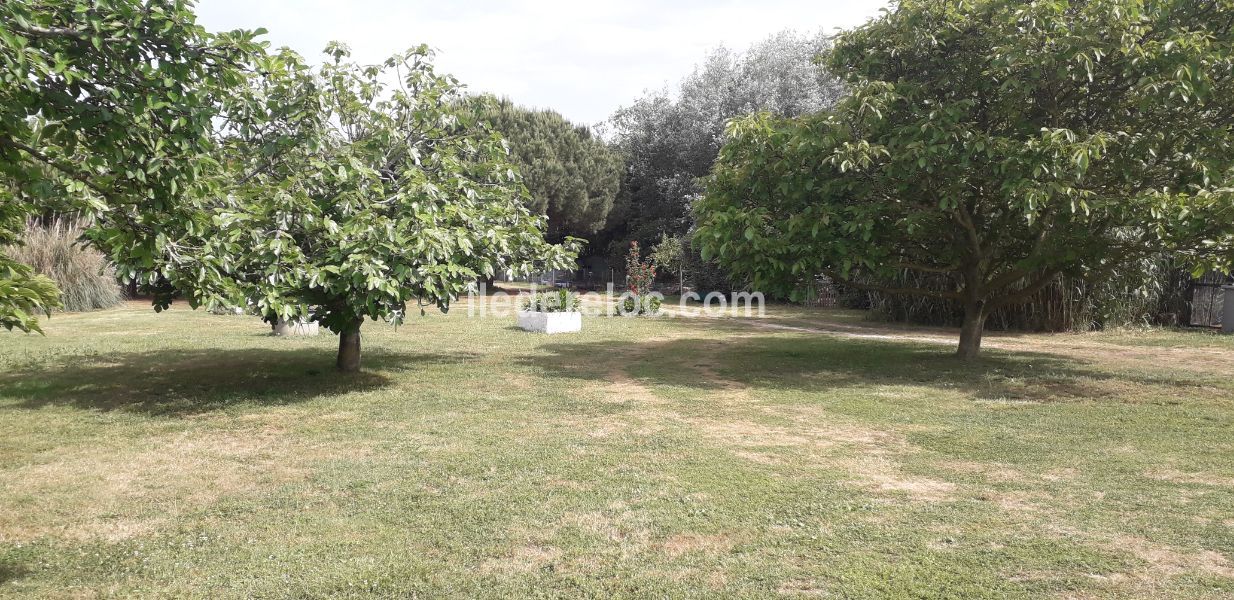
<point>105,110</point>
<point>573,176</point>
<point>994,144</point>
<point>671,138</point>
<point>346,198</point>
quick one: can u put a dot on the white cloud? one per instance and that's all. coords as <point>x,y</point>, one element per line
<point>581,58</point>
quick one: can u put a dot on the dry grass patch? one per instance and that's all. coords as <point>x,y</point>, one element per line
<point>623,388</point>
<point>804,587</point>
<point>103,493</point>
<point>617,526</point>
<point>993,472</point>
<point>883,476</point>
<point>1165,561</point>
<point>1196,478</point>
<point>815,439</point>
<point>686,543</point>
<point>528,558</point>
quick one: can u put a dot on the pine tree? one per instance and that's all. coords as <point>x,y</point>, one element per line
<point>572,175</point>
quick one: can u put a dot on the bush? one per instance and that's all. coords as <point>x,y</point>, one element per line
<point>640,275</point>
<point>648,304</point>
<point>85,278</point>
<point>551,302</point>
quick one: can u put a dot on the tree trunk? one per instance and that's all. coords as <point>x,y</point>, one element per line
<point>349,348</point>
<point>970,333</point>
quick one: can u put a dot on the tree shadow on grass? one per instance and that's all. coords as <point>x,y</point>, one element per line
<point>177,383</point>
<point>11,571</point>
<point>820,363</point>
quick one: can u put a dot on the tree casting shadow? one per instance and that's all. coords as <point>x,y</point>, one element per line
<point>11,572</point>
<point>821,362</point>
<point>183,383</point>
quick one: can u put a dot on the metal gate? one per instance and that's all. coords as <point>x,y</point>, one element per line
<point>1207,299</point>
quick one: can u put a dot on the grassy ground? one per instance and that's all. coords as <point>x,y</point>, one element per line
<point>810,453</point>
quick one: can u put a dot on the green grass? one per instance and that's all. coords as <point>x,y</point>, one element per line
<point>187,454</point>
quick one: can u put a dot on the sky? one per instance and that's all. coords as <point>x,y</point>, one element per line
<point>582,58</point>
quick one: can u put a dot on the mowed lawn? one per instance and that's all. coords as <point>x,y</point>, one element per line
<point>812,453</point>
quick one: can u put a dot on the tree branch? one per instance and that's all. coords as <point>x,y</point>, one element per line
<point>76,176</point>
<point>893,290</point>
<point>965,220</point>
<point>1025,293</point>
<point>927,268</point>
<point>60,32</point>
<point>51,162</point>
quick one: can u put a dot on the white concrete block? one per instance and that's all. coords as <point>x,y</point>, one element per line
<point>294,328</point>
<point>555,322</point>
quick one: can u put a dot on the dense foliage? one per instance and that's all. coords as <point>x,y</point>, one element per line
<point>671,139</point>
<point>997,145</point>
<point>572,175</point>
<point>105,109</point>
<point>83,276</point>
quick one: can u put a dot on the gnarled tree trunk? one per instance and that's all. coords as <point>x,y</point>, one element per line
<point>349,348</point>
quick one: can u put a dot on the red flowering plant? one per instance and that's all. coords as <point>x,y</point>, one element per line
<point>639,278</point>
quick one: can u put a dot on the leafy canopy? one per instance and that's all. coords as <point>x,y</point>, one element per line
<point>346,198</point>
<point>669,253</point>
<point>105,110</point>
<point>993,145</point>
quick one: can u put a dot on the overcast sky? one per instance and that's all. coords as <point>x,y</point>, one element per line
<point>582,58</point>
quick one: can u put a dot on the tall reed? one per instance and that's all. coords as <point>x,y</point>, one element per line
<point>85,277</point>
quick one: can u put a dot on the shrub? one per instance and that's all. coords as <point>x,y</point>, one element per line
<point>639,274</point>
<point>647,304</point>
<point>85,278</point>
<point>639,278</point>
<point>550,302</point>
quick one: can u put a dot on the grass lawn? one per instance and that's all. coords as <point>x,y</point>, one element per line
<point>811,453</point>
